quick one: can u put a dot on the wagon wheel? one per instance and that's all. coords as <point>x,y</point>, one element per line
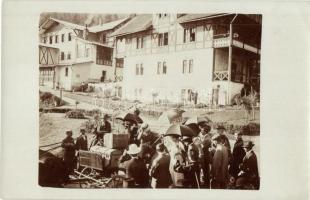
<point>84,183</point>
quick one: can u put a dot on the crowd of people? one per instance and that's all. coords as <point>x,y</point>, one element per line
<point>155,160</point>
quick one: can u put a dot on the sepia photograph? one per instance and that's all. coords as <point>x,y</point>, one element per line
<point>154,100</point>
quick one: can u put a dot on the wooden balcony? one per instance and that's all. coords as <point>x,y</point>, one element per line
<point>221,42</point>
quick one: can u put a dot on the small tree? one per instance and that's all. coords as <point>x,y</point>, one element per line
<point>76,103</point>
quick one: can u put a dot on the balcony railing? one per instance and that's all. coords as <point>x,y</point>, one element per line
<point>220,76</point>
<point>104,62</point>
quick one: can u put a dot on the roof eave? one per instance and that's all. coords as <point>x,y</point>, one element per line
<point>203,18</point>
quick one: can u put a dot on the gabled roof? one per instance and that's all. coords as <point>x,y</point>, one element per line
<point>107,26</point>
<point>138,23</point>
<point>50,21</point>
<point>197,17</point>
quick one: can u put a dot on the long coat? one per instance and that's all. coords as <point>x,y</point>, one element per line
<point>81,143</point>
<point>236,159</point>
<point>206,160</point>
<point>136,173</point>
<point>249,165</point>
<point>249,168</point>
<point>219,169</point>
<point>69,153</point>
<point>159,171</point>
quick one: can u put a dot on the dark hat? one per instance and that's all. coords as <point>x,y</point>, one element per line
<point>238,133</point>
<point>105,116</point>
<point>82,130</point>
<point>220,127</point>
<point>69,132</point>
<point>248,144</point>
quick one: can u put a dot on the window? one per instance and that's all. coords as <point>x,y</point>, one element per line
<point>191,65</point>
<point>87,52</point>
<point>192,34</point>
<point>165,38</point>
<point>137,42</point>
<point>69,36</point>
<point>141,69</point>
<point>62,56</point>
<point>137,69</point>
<point>164,68</point>
<point>66,71</point>
<point>44,39</point>
<point>56,38</point>
<point>69,55</point>
<point>184,66</point>
<point>162,39</point>
<point>159,15</point>
<point>103,38</point>
<point>158,67</point>
<point>119,62</point>
<point>51,39</point>
<point>62,37</point>
<point>140,42</point>
<point>189,35</point>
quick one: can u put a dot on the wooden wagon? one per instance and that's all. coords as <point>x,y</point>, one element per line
<point>98,169</point>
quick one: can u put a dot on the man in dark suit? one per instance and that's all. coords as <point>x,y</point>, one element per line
<point>237,156</point>
<point>136,171</point>
<point>81,141</point>
<point>159,171</point>
<point>106,127</point>
<point>206,158</point>
<point>248,175</point>
<point>69,151</point>
<point>219,169</point>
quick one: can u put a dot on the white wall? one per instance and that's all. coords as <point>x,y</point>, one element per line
<point>168,85</point>
<point>64,81</point>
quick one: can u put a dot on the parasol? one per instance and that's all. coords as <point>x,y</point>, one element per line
<point>197,120</point>
<point>179,130</point>
<point>170,116</point>
<point>129,117</point>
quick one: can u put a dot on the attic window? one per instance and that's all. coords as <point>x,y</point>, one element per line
<point>51,39</point>
<point>69,36</point>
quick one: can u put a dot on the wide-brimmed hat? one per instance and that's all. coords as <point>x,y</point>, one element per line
<point>220,127</point>
<point>248,144</point>
<point>133,149</point>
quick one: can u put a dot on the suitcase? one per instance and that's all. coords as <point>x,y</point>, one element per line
<point>116,141</point>
<point>91,159</point>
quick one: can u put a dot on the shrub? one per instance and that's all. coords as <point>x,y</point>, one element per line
<point>77,114</point>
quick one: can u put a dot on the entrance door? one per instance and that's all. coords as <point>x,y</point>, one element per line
<point>102,79</point>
